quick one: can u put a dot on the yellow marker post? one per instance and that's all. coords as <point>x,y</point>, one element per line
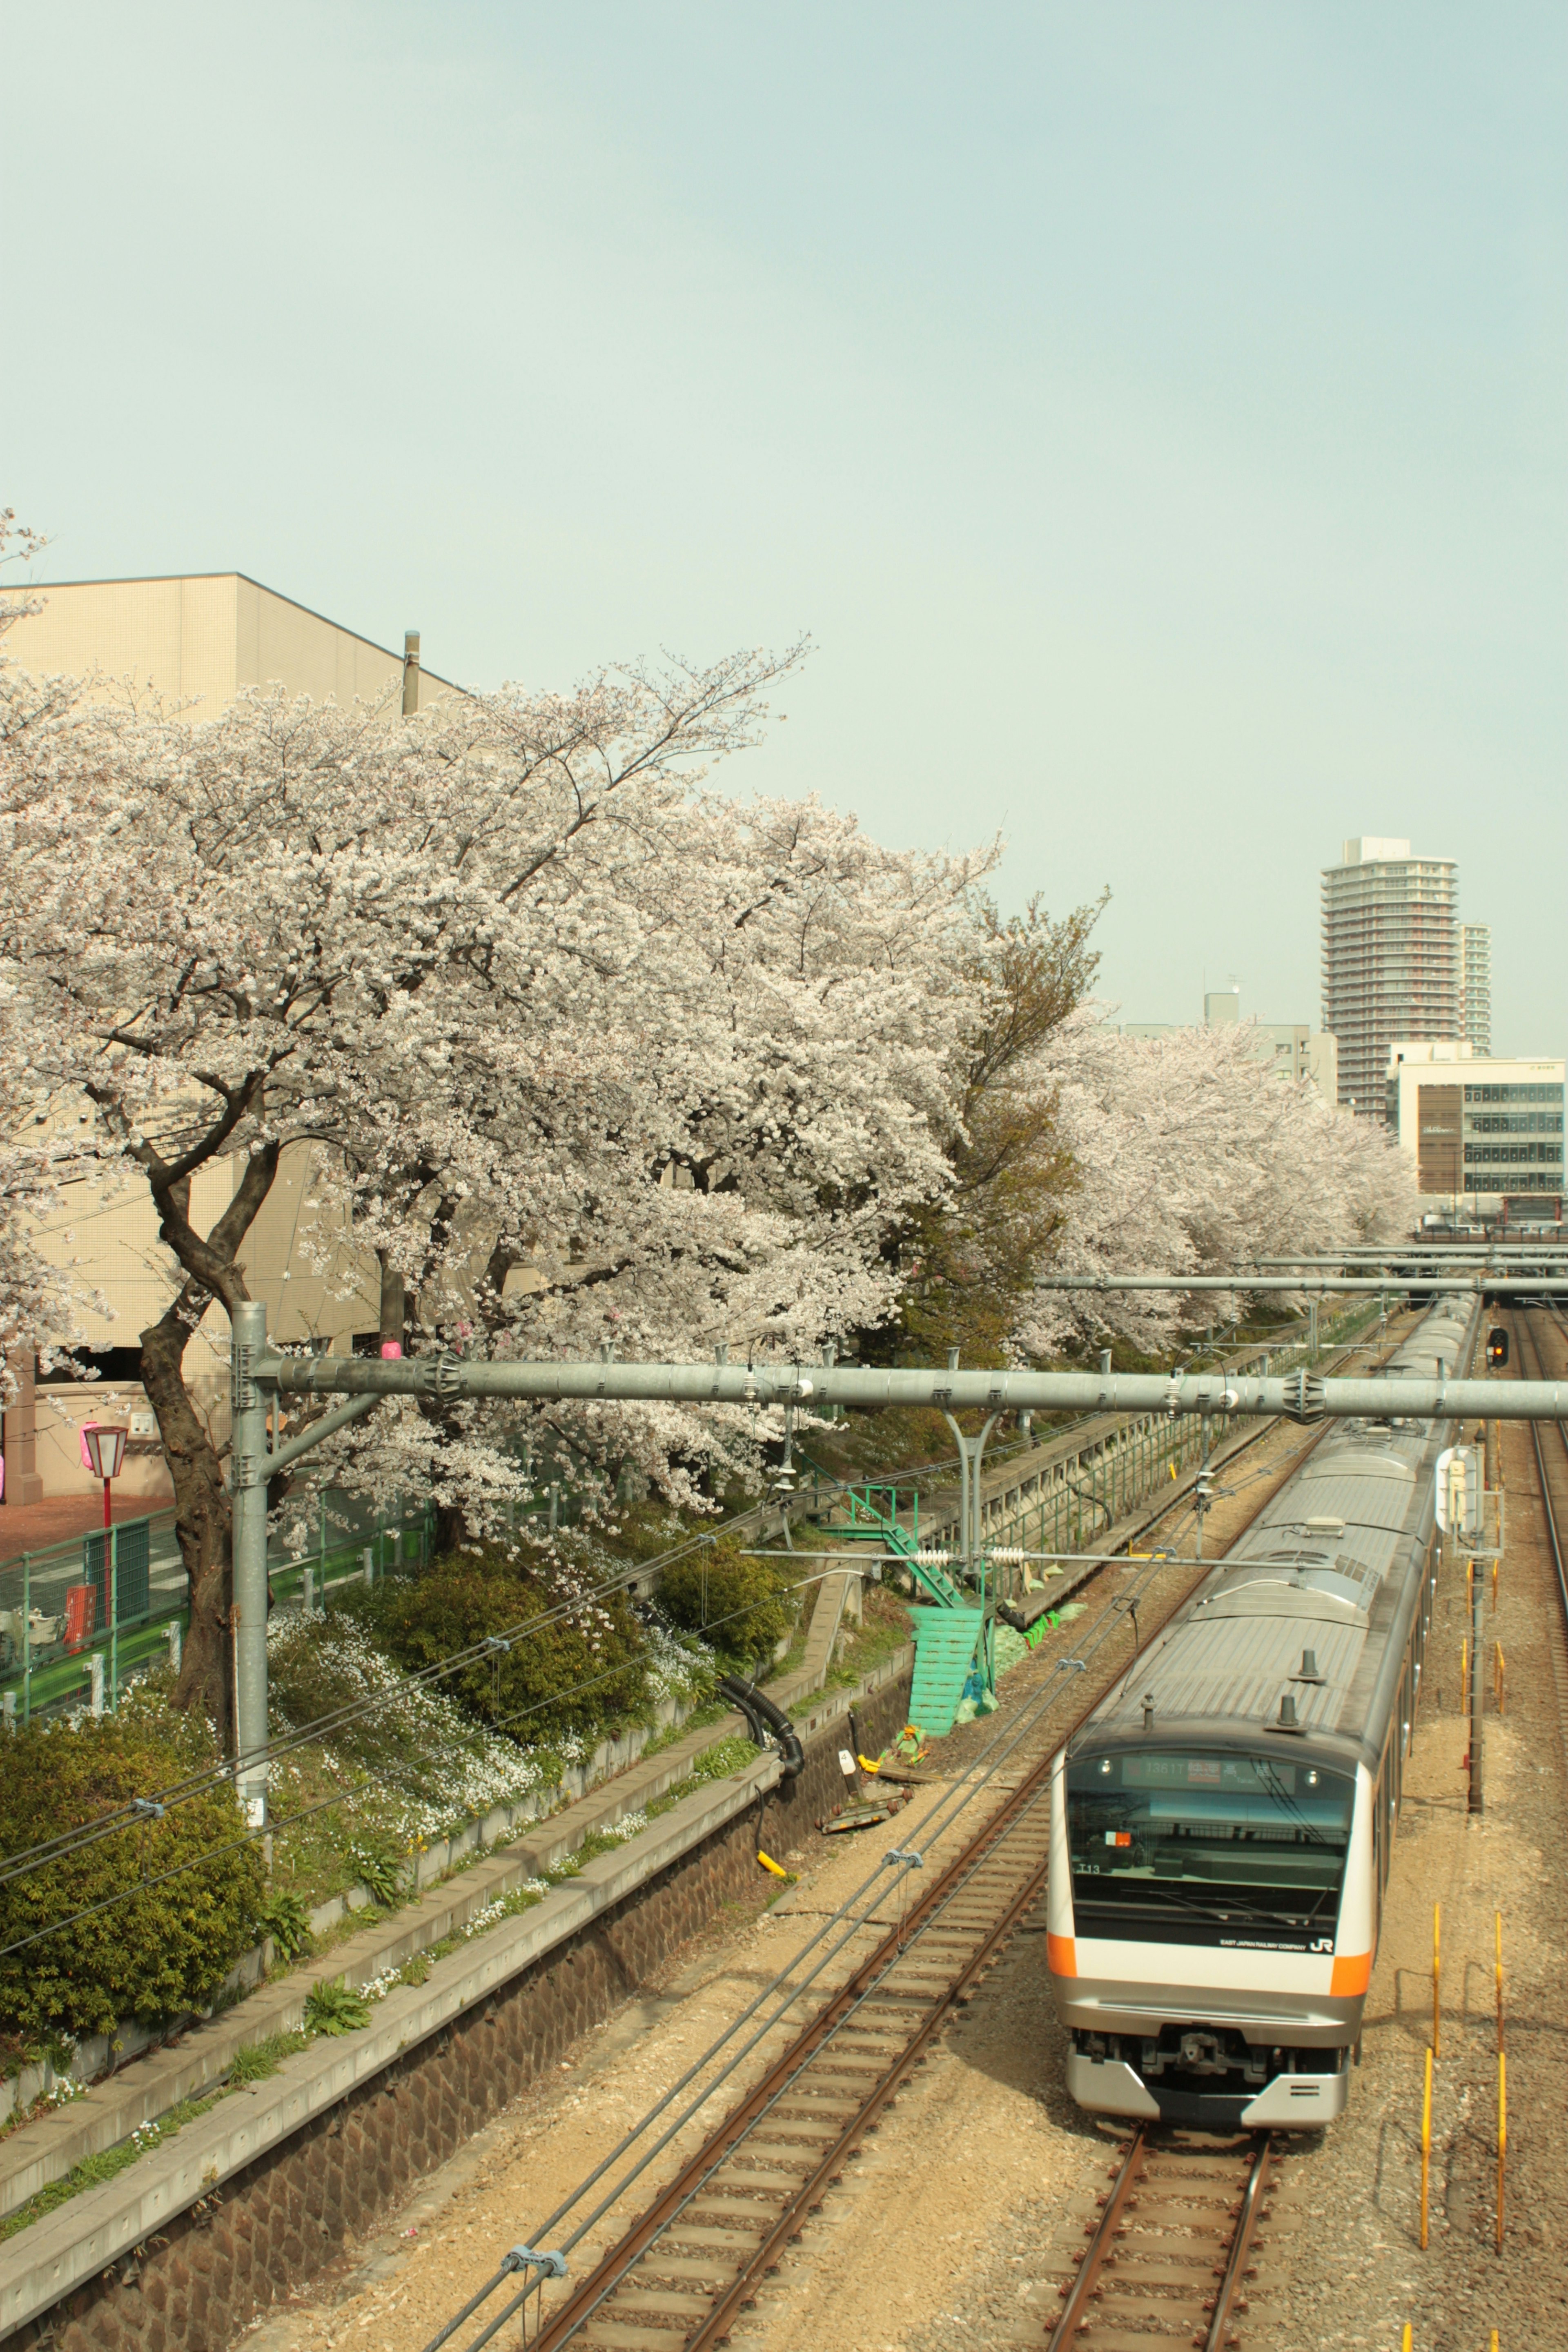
<point>1499,1964</point>
<point>1404,2339</point>
<point>1498,1670</point>
<point>1502,2138</point>
<point>769,1863</point>
<point>1426,2148</point>
<point>1464,1677</point>
<point>1437,1976</point>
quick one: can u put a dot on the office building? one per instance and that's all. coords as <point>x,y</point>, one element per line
<point>1476,985</point>
<point>1486,1130</point>
<point>1391,960</point>
<point>1291,1047</point>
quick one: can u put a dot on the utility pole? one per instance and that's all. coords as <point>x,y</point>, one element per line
<point>249,1451</point>
<point>410,672</point>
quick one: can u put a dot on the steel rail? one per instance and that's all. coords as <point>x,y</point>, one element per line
<point>1523,1333</point>
<point>1235,2241</point>
<point>1240,2246</point>
<point>1083,2287</point>
<point>869,1977</point>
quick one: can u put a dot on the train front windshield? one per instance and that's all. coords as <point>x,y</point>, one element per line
<point>1193,1848</point>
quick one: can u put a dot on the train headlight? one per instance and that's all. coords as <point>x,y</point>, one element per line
<point>1105,1763</point>
<point>1311,1779</point>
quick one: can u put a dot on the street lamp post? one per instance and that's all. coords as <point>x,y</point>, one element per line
<point>104,1444</point>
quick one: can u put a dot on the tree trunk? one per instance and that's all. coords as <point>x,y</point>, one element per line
<point>203,1516</point>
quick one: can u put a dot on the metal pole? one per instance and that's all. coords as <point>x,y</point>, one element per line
<point>27,1639</point>
<point>111,1585</point>
<point>249,1492</point>
<point>1477,1588</point>
<point>410,672</point>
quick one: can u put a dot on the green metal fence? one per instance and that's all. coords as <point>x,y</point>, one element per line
<point>1084,1494</point>
<point>77,1627</point>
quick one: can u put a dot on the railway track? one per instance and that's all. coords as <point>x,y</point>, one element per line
<point>1167,2260</point>
<point>1551,1459</point>
<point>697,2254</point>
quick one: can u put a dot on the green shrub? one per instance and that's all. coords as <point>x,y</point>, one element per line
<point>335,2009</point>
<point>286,1920</point>
<point>378,1865</point>
<point>740,1607</point>
<point>163,1949</point>
<point>555,1683</point>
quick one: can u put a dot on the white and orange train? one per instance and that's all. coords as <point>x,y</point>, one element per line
<point>1222,1824</point>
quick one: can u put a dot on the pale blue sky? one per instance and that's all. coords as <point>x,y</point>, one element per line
<point>1153,411</point>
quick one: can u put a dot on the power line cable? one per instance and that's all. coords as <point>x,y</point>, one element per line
<point>339,1719</point>
<point>276,1827</point>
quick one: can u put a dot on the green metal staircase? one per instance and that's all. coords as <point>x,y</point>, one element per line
<point>948,1636</point>
<point>871,1521</point>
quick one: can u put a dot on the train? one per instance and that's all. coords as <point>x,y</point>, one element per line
<point>1222,1822</point>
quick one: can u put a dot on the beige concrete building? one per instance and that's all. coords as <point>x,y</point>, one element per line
<point>196,641</point>
<point>200,639</point>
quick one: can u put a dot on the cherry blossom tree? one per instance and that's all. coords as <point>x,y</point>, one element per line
<point>1192,1155</point>
<point>581,1048</point>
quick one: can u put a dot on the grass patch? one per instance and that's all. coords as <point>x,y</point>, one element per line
<point>94,2170</point>
<point>258,2060</point>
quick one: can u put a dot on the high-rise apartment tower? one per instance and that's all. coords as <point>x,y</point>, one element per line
<point>1391,960</point>
<point>1476,985</point>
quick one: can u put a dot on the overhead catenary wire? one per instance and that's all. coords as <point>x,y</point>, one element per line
<point>339,1719</point>
<point>26,1861</point>
<point>232,1768</point>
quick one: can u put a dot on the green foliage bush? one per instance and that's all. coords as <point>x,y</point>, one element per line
<point>557,1685</point>
<point>166,1948</point>
<point>740,1607</point>
<point>286,1920</point>
<point>378,1866</point>
<point>335,2009</point>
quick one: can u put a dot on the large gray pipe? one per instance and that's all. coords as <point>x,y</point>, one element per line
<point>1381,1397</point>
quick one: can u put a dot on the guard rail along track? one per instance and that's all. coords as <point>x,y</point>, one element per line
<point>676,2279</point>
<point>1166,2261</point>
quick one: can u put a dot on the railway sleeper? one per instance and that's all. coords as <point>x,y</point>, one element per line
<point>709,2277</point>
<point>703,2237</point>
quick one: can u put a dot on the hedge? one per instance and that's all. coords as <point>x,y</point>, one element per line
<point>162,1950</point>
<point>561,1682</point>
<point>742,1608</point>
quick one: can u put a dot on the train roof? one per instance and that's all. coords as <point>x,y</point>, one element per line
<point>1306,1602</point>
